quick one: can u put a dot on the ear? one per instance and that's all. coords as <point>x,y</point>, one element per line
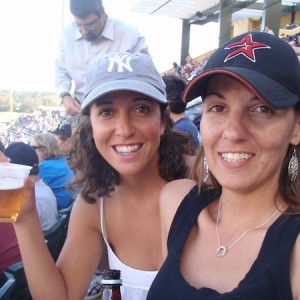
<point>163,126</point>
<point>295,138</point>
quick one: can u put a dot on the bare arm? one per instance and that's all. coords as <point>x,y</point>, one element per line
<point>170,198</point>
<point>69,279</point>
<point>295,270</point>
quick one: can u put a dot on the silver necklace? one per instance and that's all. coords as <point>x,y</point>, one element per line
<point>222,250</point>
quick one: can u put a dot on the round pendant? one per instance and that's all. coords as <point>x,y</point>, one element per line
<point>221,250</point>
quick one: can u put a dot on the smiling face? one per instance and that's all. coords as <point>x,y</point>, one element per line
<point>244,140</point>
<point>126,127</point>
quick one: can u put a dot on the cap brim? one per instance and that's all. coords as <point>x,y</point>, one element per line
<point>264,87</point>
<point>124,85</point>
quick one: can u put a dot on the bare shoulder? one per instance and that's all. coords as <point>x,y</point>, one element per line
<point>176,190</point>
<point>172,194</point>
<point>85,213</point>
<point>295,270</point>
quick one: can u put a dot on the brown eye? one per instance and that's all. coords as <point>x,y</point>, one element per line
<point>217,108</point>
<point>264,109</point>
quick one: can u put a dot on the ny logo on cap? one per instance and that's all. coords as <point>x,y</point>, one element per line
<point>121,62</point>
<point>245,47</point>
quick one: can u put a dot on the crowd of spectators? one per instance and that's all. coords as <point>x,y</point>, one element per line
<point>189,70</point>
<point>28,125</point>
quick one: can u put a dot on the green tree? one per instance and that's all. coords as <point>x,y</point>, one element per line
<point>4,100</point>
<point>29,104</point>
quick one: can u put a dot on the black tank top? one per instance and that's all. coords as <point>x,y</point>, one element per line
<point>267,279</point>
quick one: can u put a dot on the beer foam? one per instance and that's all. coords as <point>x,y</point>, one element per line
<point>10,184</point>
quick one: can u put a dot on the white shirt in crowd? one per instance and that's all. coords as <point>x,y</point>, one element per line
<point>46,204</point>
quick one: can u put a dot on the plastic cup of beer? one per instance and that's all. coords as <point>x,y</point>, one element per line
<point>11,190</point>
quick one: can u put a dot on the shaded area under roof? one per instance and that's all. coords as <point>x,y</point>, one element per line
<point>195,9</point>
<point>201,12</point>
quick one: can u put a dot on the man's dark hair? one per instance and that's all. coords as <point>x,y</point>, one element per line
<point>83,8</point>
<point>64,132</point>
<point>174,89</point>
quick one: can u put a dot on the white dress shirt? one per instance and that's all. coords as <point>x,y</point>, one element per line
<point>46,205</point>
<point>76,55</point>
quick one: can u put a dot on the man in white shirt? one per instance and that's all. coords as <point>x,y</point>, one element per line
<point>46,204</point>
<point>92,34</point>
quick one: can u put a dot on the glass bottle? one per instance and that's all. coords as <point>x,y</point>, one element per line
<point>111,282</point>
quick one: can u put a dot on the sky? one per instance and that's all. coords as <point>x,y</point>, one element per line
<point>31,29</point>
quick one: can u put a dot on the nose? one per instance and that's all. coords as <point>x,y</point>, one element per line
<point>84,31</point>
<point>124,126</point>
<point>235,128</point>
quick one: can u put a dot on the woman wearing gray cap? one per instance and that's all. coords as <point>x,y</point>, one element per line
<point>233,232</point>
<point>124,153</point>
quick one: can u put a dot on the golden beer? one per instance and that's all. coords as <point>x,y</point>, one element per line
<point>11,193</point>
<point>11,190</point>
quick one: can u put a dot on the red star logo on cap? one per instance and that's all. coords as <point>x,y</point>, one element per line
<point>245,47</point>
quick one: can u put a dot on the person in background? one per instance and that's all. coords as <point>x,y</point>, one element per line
<point>124,153</point>
<point>9,249</point>
<point>235,234</point>
<point>92,35</point>
<point>294,43</point>
<point>23,154</point>
<point>174,89</point>
<point>177,69</point>
<point>63,137</point>
<point>53,168</point>
<point>269,30</point>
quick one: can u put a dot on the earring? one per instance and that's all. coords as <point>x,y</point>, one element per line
<point>293,166</point>
<point>206,170</point>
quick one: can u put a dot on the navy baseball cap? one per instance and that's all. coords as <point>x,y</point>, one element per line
<point>266,64</point>
<point>23,154</point>
<point>124,71</point>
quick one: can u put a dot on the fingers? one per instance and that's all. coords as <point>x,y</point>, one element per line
<point>72,106</point>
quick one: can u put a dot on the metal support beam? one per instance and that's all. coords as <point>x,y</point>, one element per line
<point>225,21</point>
<point>185,40</point>
<point>271,15</point>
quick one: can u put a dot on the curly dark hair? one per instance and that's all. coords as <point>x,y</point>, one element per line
<point>95,176</point>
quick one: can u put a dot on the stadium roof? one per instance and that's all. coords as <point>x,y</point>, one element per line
<point>195,10</point>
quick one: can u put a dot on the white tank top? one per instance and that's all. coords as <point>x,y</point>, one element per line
<point>135,283</point>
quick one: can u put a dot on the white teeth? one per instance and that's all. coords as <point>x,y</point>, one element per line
<point>235,157</point>
<point>127,150</point>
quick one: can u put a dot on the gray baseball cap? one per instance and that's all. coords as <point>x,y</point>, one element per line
<point>123,71</point>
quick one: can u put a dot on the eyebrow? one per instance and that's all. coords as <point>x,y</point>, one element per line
<point>214,94</point>
<point>222,97</point>
<point>136,99</point>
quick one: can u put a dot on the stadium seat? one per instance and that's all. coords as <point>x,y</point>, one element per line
<point>7,283</point>
<point>56,235</point>
<point>20,290</point>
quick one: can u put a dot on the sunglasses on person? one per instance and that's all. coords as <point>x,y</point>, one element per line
<point>38,147</point>
<point>87,26</point>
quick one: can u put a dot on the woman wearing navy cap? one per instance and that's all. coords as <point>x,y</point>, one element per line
<point>233,232</point>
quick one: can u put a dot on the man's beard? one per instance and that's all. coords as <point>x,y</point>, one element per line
<point>90,37</point>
